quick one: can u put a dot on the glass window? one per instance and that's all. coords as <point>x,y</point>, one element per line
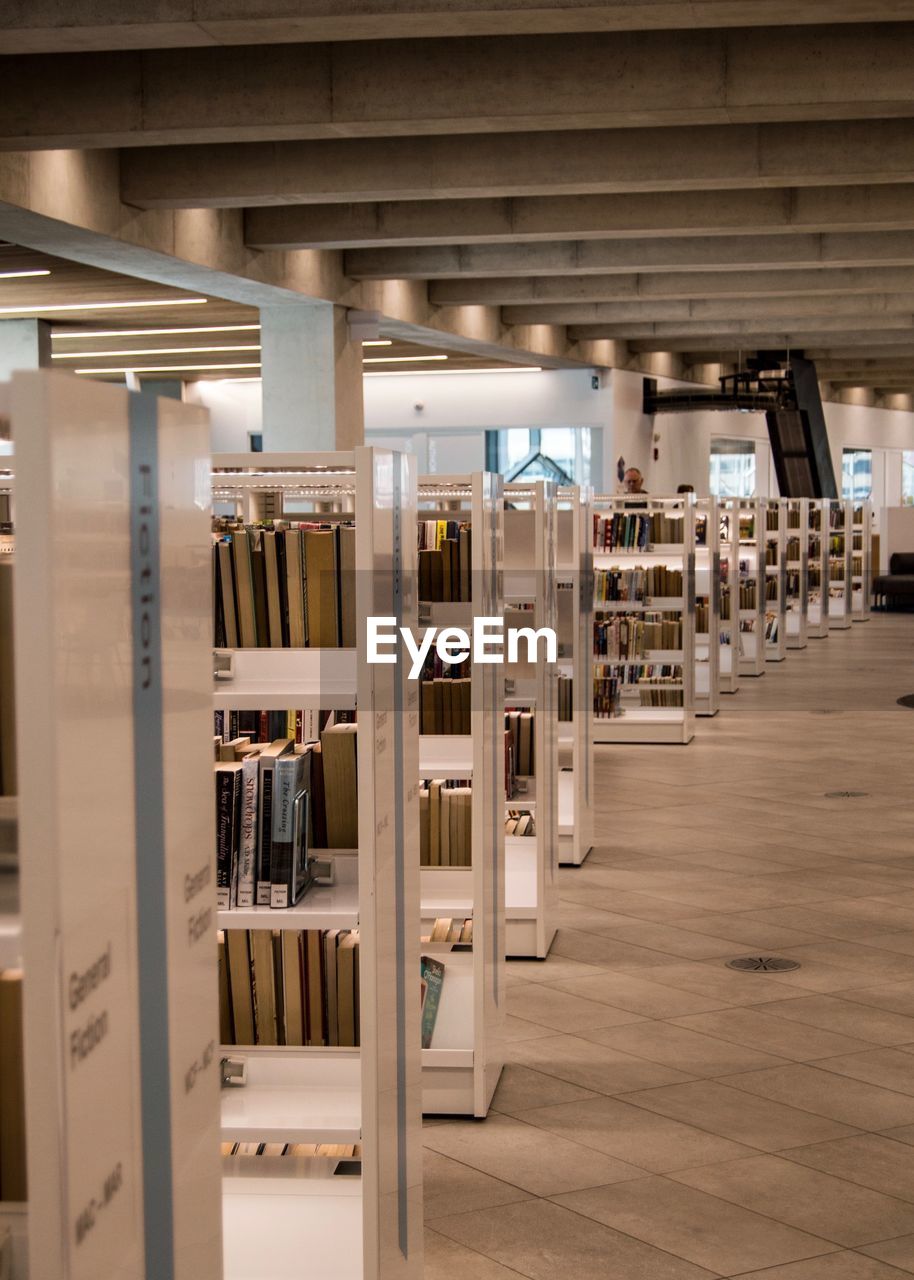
<point>857,474</point>
<point>907,479</point>
<point>733,468</point>
<point>552,453</point>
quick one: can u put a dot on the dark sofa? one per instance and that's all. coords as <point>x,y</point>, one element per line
<point>897,586</point>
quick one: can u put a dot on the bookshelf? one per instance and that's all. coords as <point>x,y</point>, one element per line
<point>648,689</point>
<point>530,545</point>
<point>749,518</point>
<point>369,1226</point>
<point>728,665</point>
<point>112,645</point>
<point>840,563</point>
<point>775,543</point>
<point>575,622</point>
<point>708,631</point>
<point>462,1068</point>
<point>818,569</point>
<point>862,561</point>
<point>797,585</point>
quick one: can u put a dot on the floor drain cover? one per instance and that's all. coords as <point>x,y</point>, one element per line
<point>907,700</point>
<point>763,964</point>
<point>844,795</point>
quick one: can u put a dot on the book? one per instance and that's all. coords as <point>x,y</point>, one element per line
<point>347,987</point>
<point>314,954</point>
<point>225,999</point>
<point>295,589</point>
<point>13,1184</point>
<point>432,976</point>
<point>250,804</point>
<point>321,548</point>
<point>259,582</point>
<point>347,588</point>
<point>240,985</point>
<point>226,581</point>
<point>331,942</point>
<point>228,832</point>
<point>244,588</point>
<point>274,577</point>
<point>289,874</point>
<point>264,986</point>
<point>340,776</point>
<point>293,1004</point>
<point>268,757</point>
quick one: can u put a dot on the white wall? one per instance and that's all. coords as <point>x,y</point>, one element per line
<point>235,411</point>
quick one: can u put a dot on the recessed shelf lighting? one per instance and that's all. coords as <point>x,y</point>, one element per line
<point>400,359</point>
<point>377,342</point>
<point>150,351</point>
<point>46,307</point>
<point>449,373</point>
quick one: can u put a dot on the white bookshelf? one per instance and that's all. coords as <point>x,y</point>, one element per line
<point>368,1227</point>
<point>797,593</point>
<point>862,561</point>
<point>113,648</point>
<point>840,563</point>
<point>639,721</point>
<point>708,647</point>
<point>818,570</point>
<point>531,862</point>
<point>728,536</point>
<point>462,1068</point>
<point>575,622</point>
<point>749,516</point>
<point>775,560</point>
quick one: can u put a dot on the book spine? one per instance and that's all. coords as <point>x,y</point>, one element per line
<point>281,887</point>
<point>247,874</point>
<point>265,846</point>
<point>224,825</point>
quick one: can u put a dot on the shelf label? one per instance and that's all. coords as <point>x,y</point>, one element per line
<point>101,1138</point>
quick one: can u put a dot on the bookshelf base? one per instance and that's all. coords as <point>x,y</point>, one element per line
<point>287,1228</point>
<point>569,856</point>
<point>653,725</point>
<point>14,1220</point>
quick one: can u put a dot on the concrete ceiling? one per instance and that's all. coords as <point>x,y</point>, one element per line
<point>576,182</point>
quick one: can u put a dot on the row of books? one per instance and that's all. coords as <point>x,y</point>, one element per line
<point>771,553</point>
<point>566,698</point>
<point>447,931</point>
<point>607,694</point>
<point>444,705</point>
<point>635,531</point>
<point>289,987</point>
<point>657,696</point>
<point>244,1151</point>
<point>519,725</point>
<point>445,824</point>
<point>772,519</point>
<point>631,674</point>
<point>284,586</point>
<point>445,561</point>
<point>7,687</point>
<point>12,1090</point>
<point>519,823</point>
<point>725,602</point>
<point>636,584</point>
<point>748,595</point>
<point>771,588</point>
<point>772,629</point>
<point>631,636</point>
<point>276,801</point>
<point>793,549</point>
<point>702,617</point>
<point>267,726</point>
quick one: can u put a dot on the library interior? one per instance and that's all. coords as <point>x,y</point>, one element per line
<point>456,635</point>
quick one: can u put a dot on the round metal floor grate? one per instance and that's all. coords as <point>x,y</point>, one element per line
<point>907,700</point>
<point>844,795</point>
<point>763,964</point>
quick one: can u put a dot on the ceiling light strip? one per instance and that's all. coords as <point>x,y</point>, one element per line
<point>165,368</point>
<point>151,351</point>
<point>45,308</point>
<point>83,335</point>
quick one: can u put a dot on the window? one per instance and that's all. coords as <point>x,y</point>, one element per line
<point>733,468</point>
<point>907,479</point>
<point>552,453</point>
<point>857,474</point>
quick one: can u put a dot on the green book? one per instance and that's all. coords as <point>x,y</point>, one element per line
<point>432,982</point>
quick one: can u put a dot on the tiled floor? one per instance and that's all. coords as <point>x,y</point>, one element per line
<point>662,1117</point>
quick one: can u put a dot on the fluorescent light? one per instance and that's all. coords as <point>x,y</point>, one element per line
<point>82,334</point>
<point>101,306</point>
<point>449,373</point>
<point>21,275</point>
<point>400,359</point>
<point>166,368</point>
<point>377,342</point>
<point>148,351</point>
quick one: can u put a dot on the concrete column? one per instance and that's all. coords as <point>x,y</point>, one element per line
<point>24,344</point>
<point>312,379</point>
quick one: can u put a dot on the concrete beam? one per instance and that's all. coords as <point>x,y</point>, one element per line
<point>443,86</point>
<point>41,26</point>
<point>724,340</point>
<point>708,311</point>
<point>576,162</point>
<point>519,220</point>
<point>602,257</point>
<point>672,285</point>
